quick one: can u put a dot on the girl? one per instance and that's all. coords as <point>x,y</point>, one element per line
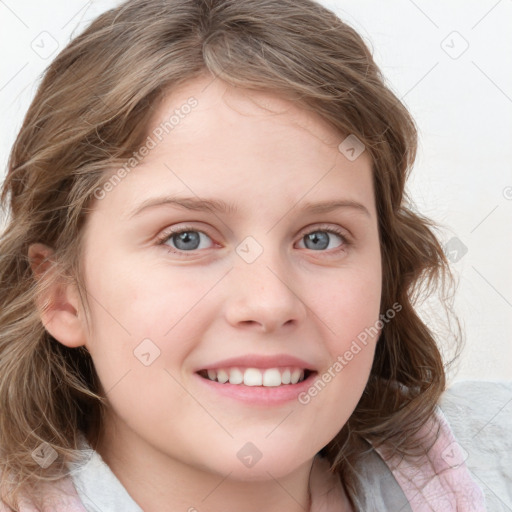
<point>210,273</point>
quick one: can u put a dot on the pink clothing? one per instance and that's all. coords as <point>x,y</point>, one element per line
<point>440,480</point>
<point>437,482</point>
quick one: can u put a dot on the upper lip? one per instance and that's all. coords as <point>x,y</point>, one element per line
<point>260,361</point>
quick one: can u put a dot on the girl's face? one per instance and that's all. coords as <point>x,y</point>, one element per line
<point>277,268</point>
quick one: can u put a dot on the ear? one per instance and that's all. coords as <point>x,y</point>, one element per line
<point>58,305</point>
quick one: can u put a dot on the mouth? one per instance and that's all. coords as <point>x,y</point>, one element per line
<point>257,377</point>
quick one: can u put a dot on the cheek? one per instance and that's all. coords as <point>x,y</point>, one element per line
<point>349,310</point>
<point>144,315</point>
<point>142,332</point>
<point>144,298</point>
<point>333,396</point>
<point>349,305</point>
<point>350,341</point>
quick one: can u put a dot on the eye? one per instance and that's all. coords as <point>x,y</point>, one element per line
<point>322,239</point>
<point>188,239</point>
<point>185,239</point>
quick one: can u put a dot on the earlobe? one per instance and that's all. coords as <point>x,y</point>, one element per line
<point>59,303</point>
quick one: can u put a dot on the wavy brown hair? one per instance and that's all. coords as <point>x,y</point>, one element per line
<point>91,111</point>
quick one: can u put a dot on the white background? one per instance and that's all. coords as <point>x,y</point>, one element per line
<point>450,62</point>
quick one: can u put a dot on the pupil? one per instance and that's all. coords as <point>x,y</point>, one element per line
<point>319,242</point>
<point>186,238</point>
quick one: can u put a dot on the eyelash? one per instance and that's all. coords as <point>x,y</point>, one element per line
<point>164,237</point>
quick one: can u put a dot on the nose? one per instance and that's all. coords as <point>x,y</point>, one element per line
<point>264,296</point>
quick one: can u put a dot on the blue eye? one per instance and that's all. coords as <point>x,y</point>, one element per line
<point>184,240</point>
<point>187,239</point>
<point>320,239</point>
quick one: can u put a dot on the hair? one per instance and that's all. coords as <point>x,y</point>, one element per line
<point>91,111</point>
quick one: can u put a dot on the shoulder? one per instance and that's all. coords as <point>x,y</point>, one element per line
<point>480,415</point>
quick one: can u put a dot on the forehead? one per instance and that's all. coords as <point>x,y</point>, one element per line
<point>213,139</point>
<point>236,105</point>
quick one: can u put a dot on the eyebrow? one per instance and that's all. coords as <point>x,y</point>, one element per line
<point>219,206</point>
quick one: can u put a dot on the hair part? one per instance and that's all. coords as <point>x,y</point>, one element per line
<point>91,111</point>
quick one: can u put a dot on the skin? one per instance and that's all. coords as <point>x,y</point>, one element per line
<point>172,443</point>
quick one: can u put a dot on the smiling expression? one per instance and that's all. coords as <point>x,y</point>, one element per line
<point>225,273</point>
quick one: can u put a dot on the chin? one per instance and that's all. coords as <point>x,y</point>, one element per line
<point>259,470</point>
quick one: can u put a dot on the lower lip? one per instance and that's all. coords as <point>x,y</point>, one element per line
<point>259,395</point>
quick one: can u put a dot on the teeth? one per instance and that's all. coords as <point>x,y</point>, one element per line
<point>253,377</point>
<point>236,376</point>
<point>222,376</point>
<point>295,376</point>
<point>270,377</point>
<point>286,376</point>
